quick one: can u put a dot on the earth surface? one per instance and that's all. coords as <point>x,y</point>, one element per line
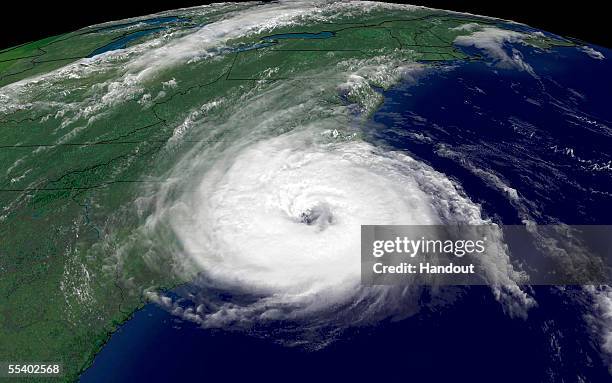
<point>182,193</point>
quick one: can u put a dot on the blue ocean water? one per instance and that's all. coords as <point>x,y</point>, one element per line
<point>547,137</point>
<point>474,341</point>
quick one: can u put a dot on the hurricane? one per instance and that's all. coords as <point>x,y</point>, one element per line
<point>211,168</point>
<point>274,214</point>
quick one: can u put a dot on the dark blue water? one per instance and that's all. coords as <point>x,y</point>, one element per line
<point>550,138</point>
<point>474,341</point>
<point>152,21</point>
<point>122,42</point>
<point>546,137</point>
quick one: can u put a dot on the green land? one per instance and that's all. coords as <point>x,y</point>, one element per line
<point>65,199</point>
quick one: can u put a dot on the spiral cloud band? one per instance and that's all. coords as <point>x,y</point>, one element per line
<point>267,203</point>
<point>281,219</point>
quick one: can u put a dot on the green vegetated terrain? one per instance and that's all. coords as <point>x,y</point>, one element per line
<point>64,285</point>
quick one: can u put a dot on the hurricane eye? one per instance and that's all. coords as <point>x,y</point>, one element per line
<point>319,215</point>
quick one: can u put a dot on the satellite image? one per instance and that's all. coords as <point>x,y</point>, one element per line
<point>183,194</point>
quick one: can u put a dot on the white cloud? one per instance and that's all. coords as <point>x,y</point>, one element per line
<point>592,52</point>
<point>467,27</point>
<point>170,83</point>
<point>601,319</point>
<point>492,40</point>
